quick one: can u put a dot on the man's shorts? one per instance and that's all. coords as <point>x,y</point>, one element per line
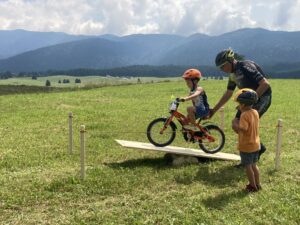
<point>249,157</point>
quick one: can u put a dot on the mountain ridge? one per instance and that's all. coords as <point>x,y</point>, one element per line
<point>267,48</point>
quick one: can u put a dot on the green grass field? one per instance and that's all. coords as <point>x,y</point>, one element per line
<point>40,182</point>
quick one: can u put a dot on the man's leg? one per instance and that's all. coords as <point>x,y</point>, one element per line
<point>262,106</point>
<point>262,150</point>
<point>237,117</point>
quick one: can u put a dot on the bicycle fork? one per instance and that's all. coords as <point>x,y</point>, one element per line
<point>168,121</point>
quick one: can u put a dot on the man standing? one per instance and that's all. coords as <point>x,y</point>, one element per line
<point>243,74</point>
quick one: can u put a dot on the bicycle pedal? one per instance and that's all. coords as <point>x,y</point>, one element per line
<point>199,134</point>
<point>192,140</point>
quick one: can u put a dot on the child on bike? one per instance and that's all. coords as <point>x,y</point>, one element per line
<point>200,108</point>
<point>247,128</point>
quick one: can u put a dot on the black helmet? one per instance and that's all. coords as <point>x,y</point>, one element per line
<point>223,57</point>
<point>246,96</point>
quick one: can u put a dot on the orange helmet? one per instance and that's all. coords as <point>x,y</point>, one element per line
<point>192,74</point>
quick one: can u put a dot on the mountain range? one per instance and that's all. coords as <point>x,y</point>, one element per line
<point>14,42</point>
<point>40,51</point>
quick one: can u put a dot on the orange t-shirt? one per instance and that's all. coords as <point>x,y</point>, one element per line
<point>249,139</point>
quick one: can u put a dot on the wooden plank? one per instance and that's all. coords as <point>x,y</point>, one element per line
<point>178,150</point>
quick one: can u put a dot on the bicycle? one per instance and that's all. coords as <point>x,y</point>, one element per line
<point>162,131</point>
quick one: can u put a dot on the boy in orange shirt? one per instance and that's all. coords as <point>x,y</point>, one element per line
<point>247,128</point>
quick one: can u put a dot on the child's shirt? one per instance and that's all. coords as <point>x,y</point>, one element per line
<point>249,140</point>
<point>200,100</point>
<point>201,104</point>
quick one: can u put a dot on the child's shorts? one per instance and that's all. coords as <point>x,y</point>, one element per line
<point>201,112</point>
<point>249,157</point>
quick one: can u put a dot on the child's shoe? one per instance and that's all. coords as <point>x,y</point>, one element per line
<point>258,187</point>
<point>191,127</point>
<point>249,188</point>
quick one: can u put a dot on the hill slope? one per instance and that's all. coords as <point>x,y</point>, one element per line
<point>13,42</point>
<point>94,53</point>
<point>265,47</point>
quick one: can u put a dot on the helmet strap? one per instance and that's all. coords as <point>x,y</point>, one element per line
<point>194,84</point>
<point>233,66</point>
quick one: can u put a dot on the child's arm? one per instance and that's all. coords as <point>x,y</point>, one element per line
<point>236,126</point>
<point>197,92</point>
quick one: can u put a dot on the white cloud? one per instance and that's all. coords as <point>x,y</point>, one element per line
<point>123,17</point>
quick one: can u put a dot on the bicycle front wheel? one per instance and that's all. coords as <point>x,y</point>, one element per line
<point>215,145</point>
<point>157,135</point>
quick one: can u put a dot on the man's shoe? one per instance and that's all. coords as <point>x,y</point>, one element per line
<point>258,187</point>
<point>262,150</point>
<point>239,166</point>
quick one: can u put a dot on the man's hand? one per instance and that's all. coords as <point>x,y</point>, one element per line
<point>211,113</point>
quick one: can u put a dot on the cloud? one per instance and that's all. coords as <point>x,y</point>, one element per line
<point>291,16</point>
<point>122,17</point>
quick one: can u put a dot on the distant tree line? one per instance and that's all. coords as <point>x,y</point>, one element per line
<point>142,71</point>
<point>65,81</point>
<point>130,71</point>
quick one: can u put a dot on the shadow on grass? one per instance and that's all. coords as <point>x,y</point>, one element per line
<point>156,163</point>
<point>221,200</point>
<point>221,176</point>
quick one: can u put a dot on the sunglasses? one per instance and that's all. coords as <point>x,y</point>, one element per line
<point>222,65</point>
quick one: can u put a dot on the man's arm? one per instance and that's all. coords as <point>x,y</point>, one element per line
<point>263,86</point>
<point>253,71</point>
<point>226,96</point>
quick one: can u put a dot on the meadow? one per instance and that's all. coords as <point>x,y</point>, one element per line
<point>40,182</point>
<point>86,81</point>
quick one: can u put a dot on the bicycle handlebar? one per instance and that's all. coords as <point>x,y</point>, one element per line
<point>179,100</point>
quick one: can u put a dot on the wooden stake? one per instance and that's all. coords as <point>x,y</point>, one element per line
<point>278,145</point>
<point>82,152</point>
<point>222,118</point>
<point>70,133</point>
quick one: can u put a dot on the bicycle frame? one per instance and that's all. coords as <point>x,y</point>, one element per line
<point>183,120</point>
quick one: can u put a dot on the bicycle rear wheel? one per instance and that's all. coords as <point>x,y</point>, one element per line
<point>158,138</point>
<point>216,145</point>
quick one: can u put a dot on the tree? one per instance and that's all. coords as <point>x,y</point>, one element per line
<point>34,77</point>
<point>6,75</point>
<point>48,83</point>
<point>77,81</point>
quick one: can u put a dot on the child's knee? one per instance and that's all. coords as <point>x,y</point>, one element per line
<point>190,110</point>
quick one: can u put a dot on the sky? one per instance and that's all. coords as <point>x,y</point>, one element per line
<point>124,17</point>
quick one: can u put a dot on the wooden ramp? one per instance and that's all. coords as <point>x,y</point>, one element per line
<point>178,150</point>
